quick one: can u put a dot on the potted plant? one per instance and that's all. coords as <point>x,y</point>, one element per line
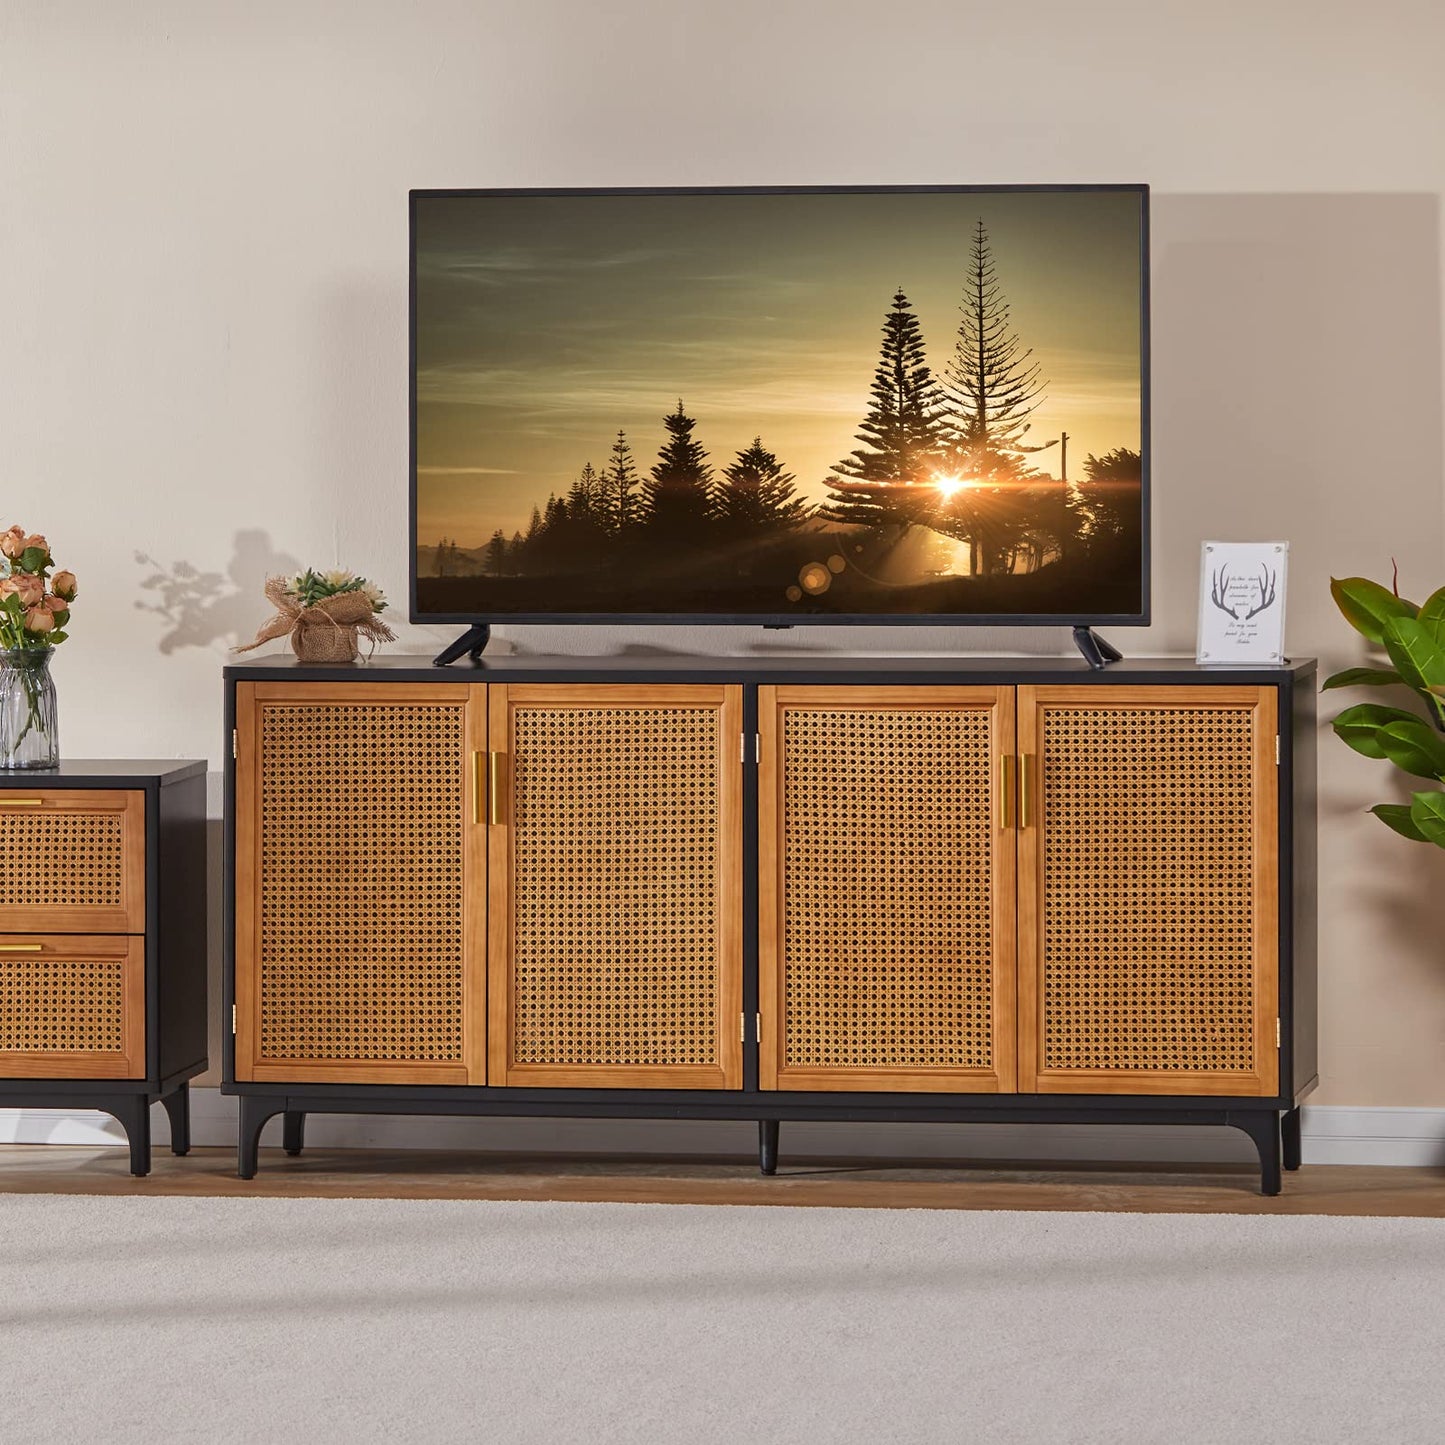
<point>34,611</point>
<point>323,613</point>
<point>1413,638</point>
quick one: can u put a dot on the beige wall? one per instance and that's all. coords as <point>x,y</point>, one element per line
<point>203,309</point>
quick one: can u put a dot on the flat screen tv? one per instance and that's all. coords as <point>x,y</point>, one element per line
<point>813,405</point>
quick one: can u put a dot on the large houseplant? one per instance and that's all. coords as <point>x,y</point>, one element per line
<point>1413,638</point>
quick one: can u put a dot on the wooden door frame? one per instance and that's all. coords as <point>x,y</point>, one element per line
<point>773,1070</point>
<point>1264,1080</point>
<point>250,698</point>
<point>726,700</point>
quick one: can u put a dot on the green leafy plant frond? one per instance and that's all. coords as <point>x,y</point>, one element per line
<point>1413,638</point>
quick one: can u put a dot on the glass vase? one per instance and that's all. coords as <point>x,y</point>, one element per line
<point>28,734</point>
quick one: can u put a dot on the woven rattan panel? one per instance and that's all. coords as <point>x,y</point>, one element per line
<point>361,882</point>
<point>887,930</point>
<point>62,1005</point>
<point>60,859</point>
<point>1148,889</point>
<point>615,903</point>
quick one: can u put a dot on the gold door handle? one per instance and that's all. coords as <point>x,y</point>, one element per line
<point>477,785</point>
<point>21,802</point>
<point>1005,791</point>
<point>1026,790</point>
<point>19,948</point>
<point>496,784</point>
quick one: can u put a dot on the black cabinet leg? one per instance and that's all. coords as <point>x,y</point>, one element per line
<point>768,1145</point>
<point>1263,1127</point>
<point>293,1127</point>
<point>254,1115</point>
<point>1289,1129</point>
<point>178,1111</point>
<point>133,1111</point>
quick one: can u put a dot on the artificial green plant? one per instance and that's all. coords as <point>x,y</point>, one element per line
<point>1414,641</point>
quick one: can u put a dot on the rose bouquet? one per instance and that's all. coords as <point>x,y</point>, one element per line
<point>34,611</point>
<point>323,613</point>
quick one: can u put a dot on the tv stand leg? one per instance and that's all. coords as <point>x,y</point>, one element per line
<point>1097,653</point>
<point>471,642</point>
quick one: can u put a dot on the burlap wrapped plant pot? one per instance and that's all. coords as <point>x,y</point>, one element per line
<point>327,631</point>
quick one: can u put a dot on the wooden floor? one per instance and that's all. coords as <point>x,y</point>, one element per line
<point>420,1174</point>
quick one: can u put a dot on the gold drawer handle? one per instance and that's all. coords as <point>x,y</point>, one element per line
<point>1026,790</point>
<point>477,787</point>
<point>20,947</point>
<point>22,802</point>
<point>496,783</point>
<point>1005,791</point>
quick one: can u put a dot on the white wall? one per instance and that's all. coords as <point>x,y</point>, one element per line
<point>203,309</point>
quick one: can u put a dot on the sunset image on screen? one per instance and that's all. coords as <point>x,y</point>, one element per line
<point>779,404</point>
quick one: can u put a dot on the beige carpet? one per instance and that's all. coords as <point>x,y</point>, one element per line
<point>355,1320</point>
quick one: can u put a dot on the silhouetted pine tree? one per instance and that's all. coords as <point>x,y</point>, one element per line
<point>992,386</point>
<point>901,433</point>
<point>992,383</point>
<point>496,555</point>
<point>678,498</point>
<point>757,494</point>
<point>621,505</point>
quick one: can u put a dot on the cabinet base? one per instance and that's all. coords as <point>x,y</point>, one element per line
<point>1262,1122</point>
<point>131,1109</point>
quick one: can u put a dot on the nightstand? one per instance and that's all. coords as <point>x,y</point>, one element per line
<point>103,941</point>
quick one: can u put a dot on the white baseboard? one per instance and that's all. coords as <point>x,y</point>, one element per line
<point>1332,1135</point>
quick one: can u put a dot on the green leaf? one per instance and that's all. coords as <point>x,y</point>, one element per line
<point>61,618</point>
<point>1432,616</point>
<point>32,559</point>
<point>14,606</point>
<point>1397,816</point>
<point>1367,606</point>
<point>1414,747</point>
<point>1360,726</point>
<point>1418,658</point>
<point>1363,677</point>
<point>58,635</point>
<point>1427,813</point>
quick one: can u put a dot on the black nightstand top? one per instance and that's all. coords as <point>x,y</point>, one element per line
<point>104,773</point>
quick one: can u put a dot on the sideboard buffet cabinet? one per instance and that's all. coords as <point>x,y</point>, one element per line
<point>802,887</point>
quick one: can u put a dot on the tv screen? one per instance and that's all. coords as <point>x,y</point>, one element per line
<point>813,405</point>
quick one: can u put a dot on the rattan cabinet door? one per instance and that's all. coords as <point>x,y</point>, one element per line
<point>72,1007</point>
<point>360,860</point>
<point>616,888</point>
<point>74,860</point>
<point>1148,918</point>
<point>886,888</point>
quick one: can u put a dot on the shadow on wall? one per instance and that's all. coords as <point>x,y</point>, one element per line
<point>1297,395</point>
<point>201,609</point>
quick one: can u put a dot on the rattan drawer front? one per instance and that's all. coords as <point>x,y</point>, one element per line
<point>886,889</point>
<point>72,1007</point>
<point>1151,940</point>
<point>615,867</point>
<point>353,952</point>
<point>74,860</point>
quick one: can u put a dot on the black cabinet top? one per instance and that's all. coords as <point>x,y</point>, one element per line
<point>644,665</point>
<point>104,773</point>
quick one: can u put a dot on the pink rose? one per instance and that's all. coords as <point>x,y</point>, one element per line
<point>12,543</point>
<point>39,619</point>
<point>56,604</point>
<point>29,588</point>
<point>63,584</point>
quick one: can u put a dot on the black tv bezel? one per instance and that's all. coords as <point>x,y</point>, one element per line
<point>1141,618</point>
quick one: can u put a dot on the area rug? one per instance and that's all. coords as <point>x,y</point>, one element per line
<point>361,1320</point>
